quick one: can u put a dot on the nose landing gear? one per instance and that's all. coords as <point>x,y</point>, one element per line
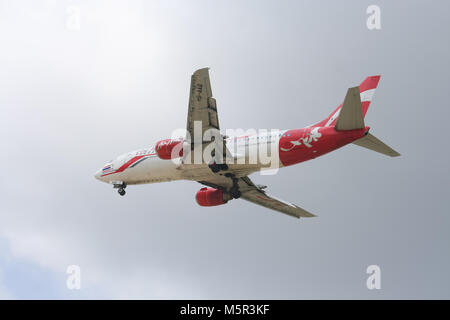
<point>121,188</point>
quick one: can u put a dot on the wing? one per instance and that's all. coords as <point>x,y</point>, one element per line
<point>256,194</point>
<point>202,116</point>
<point>202,105</point>
<point>262,198</point>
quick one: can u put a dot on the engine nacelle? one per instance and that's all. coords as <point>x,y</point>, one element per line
<point>208,197</point>
<point>169,148</point>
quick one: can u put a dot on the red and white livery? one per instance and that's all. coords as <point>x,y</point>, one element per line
<point>167,159</point>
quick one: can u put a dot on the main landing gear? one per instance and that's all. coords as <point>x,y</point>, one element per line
<point>235,193</point>
<point>120,188</point>
<point>216,167</point>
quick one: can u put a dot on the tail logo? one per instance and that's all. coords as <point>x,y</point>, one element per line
<point>310,137</point>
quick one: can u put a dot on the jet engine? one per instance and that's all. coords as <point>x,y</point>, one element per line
<point>208,197</point>
<point>169,148</point>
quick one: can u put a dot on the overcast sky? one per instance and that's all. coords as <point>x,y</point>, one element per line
<point>73,96</point>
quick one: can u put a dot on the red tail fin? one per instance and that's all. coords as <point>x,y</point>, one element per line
<point>366,89</point>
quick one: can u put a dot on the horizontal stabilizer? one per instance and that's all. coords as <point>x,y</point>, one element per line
<point>351,114</point>
<point>372,143</point>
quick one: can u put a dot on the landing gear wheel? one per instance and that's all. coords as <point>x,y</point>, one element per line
<point>235,193</point>
<point>121,191</point>
<point>234,190</point>
<point>214,167</point>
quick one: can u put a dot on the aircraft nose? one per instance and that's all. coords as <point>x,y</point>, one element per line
<point>98,174</point>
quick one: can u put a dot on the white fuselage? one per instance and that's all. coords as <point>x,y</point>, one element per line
<point>250,153</point>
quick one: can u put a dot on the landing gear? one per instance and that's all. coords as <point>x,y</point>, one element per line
<point>216,167</point>
<point>235,193</point>
<point>121,188</point>
<point>234,190</point>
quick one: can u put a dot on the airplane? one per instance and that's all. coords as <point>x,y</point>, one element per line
<point>224,180</point>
